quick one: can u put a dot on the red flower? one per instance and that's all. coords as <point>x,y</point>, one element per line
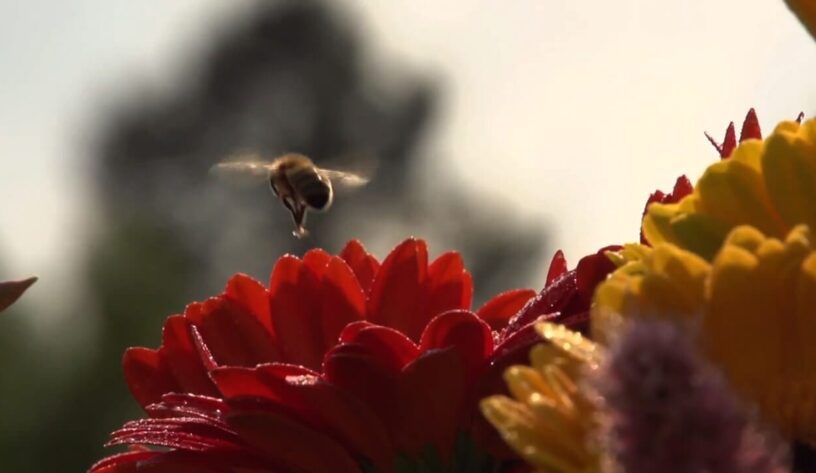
<point>341,365</point>
<point>683,187</point>
<point>10,291</point>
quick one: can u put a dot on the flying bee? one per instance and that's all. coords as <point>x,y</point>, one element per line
<point>295,180</point>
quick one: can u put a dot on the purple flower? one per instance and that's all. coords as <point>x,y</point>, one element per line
<point>664,409</point>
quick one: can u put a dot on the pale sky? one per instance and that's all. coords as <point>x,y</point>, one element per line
<point>569,112</point>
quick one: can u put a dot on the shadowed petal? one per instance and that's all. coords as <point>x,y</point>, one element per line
<point>294,296</point>
<point>396,293</point>
<point>363,264</point>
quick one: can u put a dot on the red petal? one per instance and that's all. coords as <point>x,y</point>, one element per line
<point>147,375</point>
<point>252,297</point>
<point>497,311</point>
<point>469,335</point>
<point>184,433</point>
<point>432,391</point>
<point>294,295</point>
<point>750,127</point>
<point>553,298</point>
<point>591,271</point>
<point>232,335</point>
<point>558,266</point>
<point>396,293</point>
<point>347,419</point>
<point>682,188</point>
<point>292,443</point>
<point>448,287</point>
<point>317,260</point>
<point>10,291</point>
<point>343,301</point>
<point>264,382</point>
<point>176,462</point>
<point>122,463</point>
<point>353,370</point>
<point>729,142</point>
<point>363,264</point>
<point>714,143</point>
<point>385,345</point>
<point>183,358</point>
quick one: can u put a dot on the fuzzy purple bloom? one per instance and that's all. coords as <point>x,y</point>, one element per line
<point>664,409</point>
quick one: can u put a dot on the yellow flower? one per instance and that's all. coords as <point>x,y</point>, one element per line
<point>754,305</point>
<point>806,11</point>
<point>768,184</point>
<point>549,421</point>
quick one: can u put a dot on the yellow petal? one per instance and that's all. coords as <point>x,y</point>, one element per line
<point>789,168</point>
<point>806,11</point>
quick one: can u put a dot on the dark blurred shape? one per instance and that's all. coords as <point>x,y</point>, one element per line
<point>289,78</point>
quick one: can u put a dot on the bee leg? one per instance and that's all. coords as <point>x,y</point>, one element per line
<point>298,212</point>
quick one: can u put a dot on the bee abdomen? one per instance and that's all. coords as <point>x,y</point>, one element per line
<point>313,188</point>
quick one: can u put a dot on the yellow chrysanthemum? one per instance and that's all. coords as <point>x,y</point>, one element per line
<point>769,184</point>
<point>754,305</point>
<point>549,421</point>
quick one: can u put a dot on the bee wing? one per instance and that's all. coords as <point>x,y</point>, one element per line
<point>344,179</point>
<point>243,169</point>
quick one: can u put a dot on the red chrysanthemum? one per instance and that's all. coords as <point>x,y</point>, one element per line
<point>342,364</point>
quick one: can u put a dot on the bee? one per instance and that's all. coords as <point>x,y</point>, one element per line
<point>296,181</point>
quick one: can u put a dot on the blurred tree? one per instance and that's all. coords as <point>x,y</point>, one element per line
<point>291,77</point>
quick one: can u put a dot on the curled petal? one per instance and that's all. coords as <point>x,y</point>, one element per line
<point>387,346</point>
<point>499,310</point>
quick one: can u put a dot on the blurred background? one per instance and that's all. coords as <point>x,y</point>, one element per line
<point>504,130</point>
